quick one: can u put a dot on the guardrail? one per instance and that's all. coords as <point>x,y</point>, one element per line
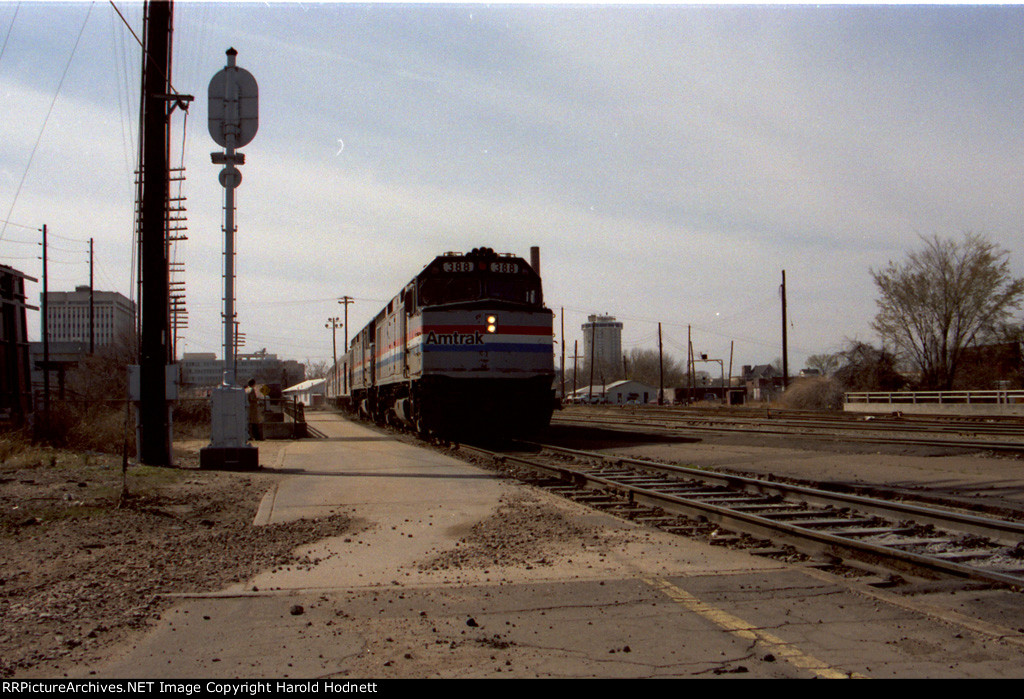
<point>936,397</point>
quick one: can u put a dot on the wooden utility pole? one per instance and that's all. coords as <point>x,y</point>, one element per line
<point>157,104</point>
<point>785,350</point>
<point>46,341</point>
<point>562,317</point>
<point>593,346</point>
<point>689,366</point>
<point>730,368</point>
<point>576,356</point>
<point>92,304</point>
<point>661,371</point>
<point>333,324</point>
<point>345,301</point>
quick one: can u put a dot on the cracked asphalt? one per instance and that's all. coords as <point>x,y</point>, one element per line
<point>452,572</point>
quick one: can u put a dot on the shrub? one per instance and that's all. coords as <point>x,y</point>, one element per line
<point>818,393</point>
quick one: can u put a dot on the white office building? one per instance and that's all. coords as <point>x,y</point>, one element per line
<point>68,316</point>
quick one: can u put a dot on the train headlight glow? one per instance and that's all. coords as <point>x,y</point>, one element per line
<point>492,324</point>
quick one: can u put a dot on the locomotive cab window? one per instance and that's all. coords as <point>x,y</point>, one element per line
<point>440,290</point>
<point>515,289</point>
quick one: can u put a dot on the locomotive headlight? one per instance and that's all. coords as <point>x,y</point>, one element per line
<point>492,324</point>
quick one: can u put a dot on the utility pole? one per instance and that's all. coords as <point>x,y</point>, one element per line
<point>46,341</point>
<point>593,345</point>
<point>785,350</point>
<point>576,356</point>
<point>239,340</point>
<point>154,428</point>
<point>730,365</point>
<point>333,324</point>
<point>690,377</point>
<point>92,304</point>
<point>661,371</point>
<point>345,301</point>
<point>158,101</point>
<point>562,316</point>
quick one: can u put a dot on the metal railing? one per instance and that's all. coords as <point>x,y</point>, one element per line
<point>937,397</point>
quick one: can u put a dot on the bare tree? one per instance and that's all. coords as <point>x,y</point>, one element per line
<point>865,368</point>
<point>642,365</point>
<point>941,299</point>
<point>825,363</point>
<point>317,369</point>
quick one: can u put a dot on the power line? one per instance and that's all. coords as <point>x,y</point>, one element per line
<point>20,225</point>
<point>8,34</point>
<point>120,65</point>
<point>163,74</point>
<point>45,120</point>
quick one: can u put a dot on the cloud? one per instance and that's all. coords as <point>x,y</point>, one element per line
<point>670,161</point>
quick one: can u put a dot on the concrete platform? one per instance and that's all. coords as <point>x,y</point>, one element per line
<point>455,573</point>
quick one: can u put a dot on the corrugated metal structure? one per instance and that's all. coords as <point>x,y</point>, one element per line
<point>15,376</point>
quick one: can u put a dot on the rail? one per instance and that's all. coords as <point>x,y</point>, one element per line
<point>839,526</point>
<point>936,397</point>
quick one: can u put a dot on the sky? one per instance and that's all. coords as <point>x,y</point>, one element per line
<point>670,161</point>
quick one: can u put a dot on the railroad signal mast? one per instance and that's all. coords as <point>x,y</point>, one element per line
<point>233,122</point>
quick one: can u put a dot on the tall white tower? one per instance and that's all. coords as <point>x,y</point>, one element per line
<point>602,342</point>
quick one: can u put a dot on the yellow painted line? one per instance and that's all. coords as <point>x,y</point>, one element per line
<point>779,647</point>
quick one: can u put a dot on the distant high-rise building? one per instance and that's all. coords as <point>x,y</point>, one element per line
<point>68,316</point>
<point>602,341</point>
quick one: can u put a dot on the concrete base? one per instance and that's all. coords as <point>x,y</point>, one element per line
<point>230,458</point>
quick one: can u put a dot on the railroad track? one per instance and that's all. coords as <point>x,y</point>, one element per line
<point>977,424</point>
<point>1008,437</point>
<point>858,531</point>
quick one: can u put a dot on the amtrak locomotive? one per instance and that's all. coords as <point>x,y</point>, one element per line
<point>466,349</point>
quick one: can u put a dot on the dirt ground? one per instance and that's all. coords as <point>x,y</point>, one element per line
<point>86,555</point>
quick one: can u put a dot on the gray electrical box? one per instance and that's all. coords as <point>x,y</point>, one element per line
<point>229,432</point>
<point>229,426</point>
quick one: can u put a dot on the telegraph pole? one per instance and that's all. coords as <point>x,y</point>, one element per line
<point>154,422</point>
<point>730,363</point>
<point>333,324</point>
<point>785,350</point>
<point>563,352</point>
<point>690,377</point>
<point>345,301</point>
<point>576,356</point>
<point>46,341</point>
<point>661,371</point>
<point>593,346</point>
<point>92,304</point>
